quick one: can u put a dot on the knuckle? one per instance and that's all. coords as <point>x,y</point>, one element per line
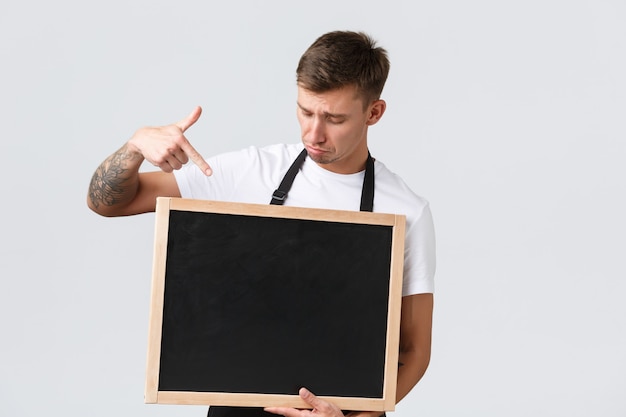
<point>159,160</point>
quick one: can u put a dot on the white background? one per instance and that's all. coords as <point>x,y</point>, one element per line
<point>508,116</point>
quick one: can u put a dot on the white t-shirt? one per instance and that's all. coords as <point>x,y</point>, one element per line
<point>252,174</point>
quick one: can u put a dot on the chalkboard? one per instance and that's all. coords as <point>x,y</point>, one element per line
<point>251,302</point>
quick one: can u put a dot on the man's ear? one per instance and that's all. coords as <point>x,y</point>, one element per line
<point>376,111</point>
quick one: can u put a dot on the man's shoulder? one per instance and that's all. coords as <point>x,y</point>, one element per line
<point>395,194</point>
<point>273,154</point>
<point>280,150</point>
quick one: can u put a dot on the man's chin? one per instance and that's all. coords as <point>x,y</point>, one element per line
<point>321,160</point>
<point>321,157</point>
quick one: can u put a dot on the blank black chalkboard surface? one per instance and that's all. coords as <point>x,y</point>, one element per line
<point>251,302</point>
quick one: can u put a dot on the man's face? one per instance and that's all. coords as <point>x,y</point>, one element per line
<point>334,128</point>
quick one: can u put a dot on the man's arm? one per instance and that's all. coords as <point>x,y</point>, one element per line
<point>416,323</point>
<point>117,188</point>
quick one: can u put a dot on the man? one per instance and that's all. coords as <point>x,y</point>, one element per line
<point>340,79</point>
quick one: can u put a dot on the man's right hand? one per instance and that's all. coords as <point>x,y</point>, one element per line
<point>167,147</point>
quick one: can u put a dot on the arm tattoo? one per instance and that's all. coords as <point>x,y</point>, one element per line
<point>112,179</point>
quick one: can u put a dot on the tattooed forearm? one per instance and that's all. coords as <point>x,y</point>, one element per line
<point>114,178</point>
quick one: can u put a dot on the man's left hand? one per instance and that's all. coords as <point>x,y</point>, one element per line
<point>321,408</point>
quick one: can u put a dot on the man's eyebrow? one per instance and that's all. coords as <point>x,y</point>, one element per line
<point>303,108</point>
<point>335,116</point>
<point>326,114</point>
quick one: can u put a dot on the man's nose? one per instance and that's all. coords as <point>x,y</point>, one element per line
<point>317,132</point>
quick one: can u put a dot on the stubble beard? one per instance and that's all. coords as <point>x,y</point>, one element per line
<point>323,159</point>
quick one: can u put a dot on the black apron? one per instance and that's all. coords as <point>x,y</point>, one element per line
<point>278,198</point>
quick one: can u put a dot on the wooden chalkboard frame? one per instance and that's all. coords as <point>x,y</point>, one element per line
<point>257,398</point>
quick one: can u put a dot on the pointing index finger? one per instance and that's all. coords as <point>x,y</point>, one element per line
<point>197,159</point>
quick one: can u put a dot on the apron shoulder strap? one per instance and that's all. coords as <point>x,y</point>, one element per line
<point>280,194</point>
<point>367,193</point>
